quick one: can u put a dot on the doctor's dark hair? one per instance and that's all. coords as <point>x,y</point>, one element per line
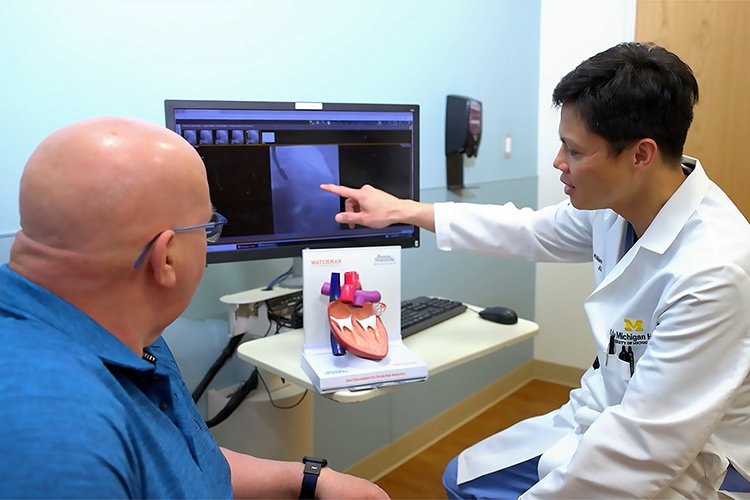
<point>633,91</point>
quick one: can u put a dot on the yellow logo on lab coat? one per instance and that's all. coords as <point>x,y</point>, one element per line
<point>636,325</point>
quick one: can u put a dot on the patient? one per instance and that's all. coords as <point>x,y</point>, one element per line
<point>114,219</point>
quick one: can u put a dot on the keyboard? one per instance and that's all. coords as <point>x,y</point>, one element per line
<point>423,312</point>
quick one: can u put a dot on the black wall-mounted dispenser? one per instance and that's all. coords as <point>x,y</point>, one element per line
<point>463,131</point>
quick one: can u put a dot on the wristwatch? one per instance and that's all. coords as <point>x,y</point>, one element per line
<point>310,476</point>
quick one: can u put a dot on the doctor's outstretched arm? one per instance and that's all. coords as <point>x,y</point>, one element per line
<point>372,207</point>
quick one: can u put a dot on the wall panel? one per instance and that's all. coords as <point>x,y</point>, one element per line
<point>712,37</point>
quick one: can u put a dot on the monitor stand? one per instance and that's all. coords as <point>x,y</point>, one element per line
<point>294,280</point>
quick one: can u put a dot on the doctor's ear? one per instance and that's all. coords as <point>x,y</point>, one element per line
<point>161,260</point>
<point>644,153</point>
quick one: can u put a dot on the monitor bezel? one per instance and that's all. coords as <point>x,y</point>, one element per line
<point>295,249</point>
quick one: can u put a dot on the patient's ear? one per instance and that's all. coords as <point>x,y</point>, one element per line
<point>161,260</point>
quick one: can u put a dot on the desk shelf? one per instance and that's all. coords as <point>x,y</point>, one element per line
<point>458,340</point>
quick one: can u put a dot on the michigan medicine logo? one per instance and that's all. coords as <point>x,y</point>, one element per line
<point>633,325</point>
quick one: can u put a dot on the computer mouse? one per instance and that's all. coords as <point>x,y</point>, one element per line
<point>500,314</point>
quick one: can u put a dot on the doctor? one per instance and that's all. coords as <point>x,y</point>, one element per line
<point>664,411</point>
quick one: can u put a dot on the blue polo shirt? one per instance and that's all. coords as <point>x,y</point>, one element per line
<point>82,416</point>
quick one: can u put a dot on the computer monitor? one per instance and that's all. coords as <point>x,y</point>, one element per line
<point>265,162</point>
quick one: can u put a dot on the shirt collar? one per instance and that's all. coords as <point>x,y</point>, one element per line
<point>24,299</point>
<point>675,213</point>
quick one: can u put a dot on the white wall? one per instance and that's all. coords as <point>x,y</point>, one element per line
<point>571,31</point>
<point>66,60</point>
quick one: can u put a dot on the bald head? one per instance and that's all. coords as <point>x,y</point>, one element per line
<point>97,186</point>
<point>92,195</point>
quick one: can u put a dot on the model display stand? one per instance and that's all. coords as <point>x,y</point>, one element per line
<point>352,336</point>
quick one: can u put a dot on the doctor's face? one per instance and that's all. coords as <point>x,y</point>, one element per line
<point>593,177</point>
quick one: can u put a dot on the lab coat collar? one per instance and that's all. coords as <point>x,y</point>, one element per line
<point>667,224</point>
<point>673,216</point>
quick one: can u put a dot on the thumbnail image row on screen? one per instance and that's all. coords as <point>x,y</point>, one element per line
<point>198,137</point>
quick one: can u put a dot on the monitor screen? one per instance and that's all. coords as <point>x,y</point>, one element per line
<point>265,162</point>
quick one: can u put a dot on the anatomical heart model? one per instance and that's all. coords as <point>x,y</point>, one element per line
<point>354,317</point>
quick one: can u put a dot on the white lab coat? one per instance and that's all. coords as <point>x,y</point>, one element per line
<point>680,299</point>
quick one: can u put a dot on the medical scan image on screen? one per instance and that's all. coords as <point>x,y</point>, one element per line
<point>296,207</point>
<point>265,168</point>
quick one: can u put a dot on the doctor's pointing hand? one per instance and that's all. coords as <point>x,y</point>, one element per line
<point>374,208</point>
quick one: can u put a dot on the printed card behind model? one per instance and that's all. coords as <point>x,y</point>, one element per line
<point>352,320</point>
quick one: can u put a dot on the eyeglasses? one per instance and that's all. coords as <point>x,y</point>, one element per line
<point>213,231</point>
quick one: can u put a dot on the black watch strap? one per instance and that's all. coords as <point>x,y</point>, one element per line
<point>310,475</point>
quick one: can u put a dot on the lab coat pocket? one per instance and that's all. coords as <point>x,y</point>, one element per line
<point>616,375</point>
<point>625,362</point>
<point>624,370</point>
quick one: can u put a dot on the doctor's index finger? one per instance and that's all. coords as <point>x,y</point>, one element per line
<point>343,191</point>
